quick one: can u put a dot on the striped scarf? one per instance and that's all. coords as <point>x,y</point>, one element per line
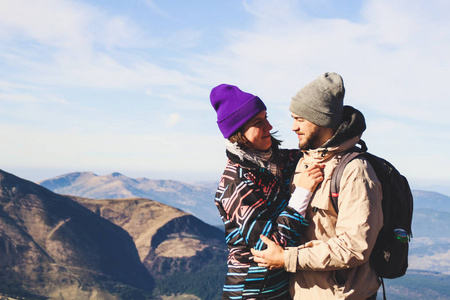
<point>262,159</point>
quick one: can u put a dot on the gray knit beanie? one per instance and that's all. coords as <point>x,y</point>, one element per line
<point>321,101</point>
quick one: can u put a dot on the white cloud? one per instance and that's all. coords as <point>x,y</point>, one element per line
<point>155,8</point>
<point>393,60</point>
<point>30,98</point>
<point>173,119</point>
<point>53,22</point>
<point>393,57</point>
<point>75,44</point>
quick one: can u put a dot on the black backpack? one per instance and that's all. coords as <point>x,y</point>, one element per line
<point>389,256</point>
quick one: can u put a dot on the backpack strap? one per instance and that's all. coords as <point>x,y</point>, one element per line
<point>336,182</point>
<point>339,170</point>
<point>384,290</point>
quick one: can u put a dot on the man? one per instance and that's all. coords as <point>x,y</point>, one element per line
<point>333,262</point>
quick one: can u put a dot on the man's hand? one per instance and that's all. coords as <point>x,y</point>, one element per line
<point>271,258</point>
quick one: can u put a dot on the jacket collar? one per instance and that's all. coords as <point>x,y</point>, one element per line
<point>322,154</point>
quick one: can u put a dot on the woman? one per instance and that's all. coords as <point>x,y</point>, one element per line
<point>253,196</point>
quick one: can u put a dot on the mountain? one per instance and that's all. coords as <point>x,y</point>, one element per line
<point>52,246</point>
<point>433,200</point>
<point>430,246</point>
<point>418,285</point>
<point>429,259</point>
<point>183,254</point>
<point>197,200</point>
<point>68,247</point>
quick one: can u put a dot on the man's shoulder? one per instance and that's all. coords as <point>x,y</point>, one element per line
<point>360,167</point>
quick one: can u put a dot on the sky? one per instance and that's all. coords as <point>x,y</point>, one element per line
<point>123,86</point>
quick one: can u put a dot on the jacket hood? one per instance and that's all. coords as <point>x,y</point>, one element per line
<point>353,125</point>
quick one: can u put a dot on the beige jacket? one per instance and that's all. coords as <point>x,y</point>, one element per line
<point>333,262</point>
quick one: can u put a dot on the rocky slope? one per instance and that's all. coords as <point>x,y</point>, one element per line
<point>182,253</point>
<point>67,247</point>
<point>51,246</point>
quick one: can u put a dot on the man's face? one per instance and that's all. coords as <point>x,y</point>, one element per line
<point>308,133</point>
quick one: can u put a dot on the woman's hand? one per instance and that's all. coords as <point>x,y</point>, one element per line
<point>271,258</point>
<point>310,177</point>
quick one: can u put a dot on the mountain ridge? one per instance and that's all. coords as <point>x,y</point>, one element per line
<point>180,253</point>
<point>50,243</point>
<point>194,199</point>
<point>53,245</point>
<point>429,248</point>
<point>191,198</point>
<point>173,245</point>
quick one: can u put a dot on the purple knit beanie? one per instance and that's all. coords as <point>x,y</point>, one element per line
<point>234,107</point>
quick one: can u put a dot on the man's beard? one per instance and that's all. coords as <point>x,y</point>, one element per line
<point>311,140</point>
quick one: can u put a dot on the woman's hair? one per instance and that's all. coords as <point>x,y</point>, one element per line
<point>239,138</point>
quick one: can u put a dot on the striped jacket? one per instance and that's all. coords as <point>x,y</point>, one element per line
<point>252,201</point>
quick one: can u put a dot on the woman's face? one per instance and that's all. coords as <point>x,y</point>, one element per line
<point>257,132</point>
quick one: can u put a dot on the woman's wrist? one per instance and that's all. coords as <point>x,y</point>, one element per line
<point>300,200</point>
